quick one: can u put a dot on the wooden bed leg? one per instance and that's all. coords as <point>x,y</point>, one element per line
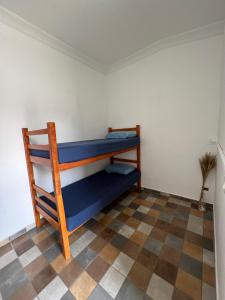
<point>30,171</point>
<point>139,186</point>
<point>57,189</point>
<point>65,245</point>
<point>138,130</point>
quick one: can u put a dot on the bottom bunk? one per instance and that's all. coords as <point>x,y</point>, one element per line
<point>86,197</point>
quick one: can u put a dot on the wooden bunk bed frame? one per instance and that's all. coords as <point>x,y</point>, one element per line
<point>56,167</point>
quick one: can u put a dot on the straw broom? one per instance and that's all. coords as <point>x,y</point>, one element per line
<point>207,163</point>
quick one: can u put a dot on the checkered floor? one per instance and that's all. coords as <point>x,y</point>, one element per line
<point>144,246</point>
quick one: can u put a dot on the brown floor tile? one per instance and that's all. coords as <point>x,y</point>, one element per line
<point>140,276</point>
<point>20,239</point>
<point>122,217</point>
<point>71,272</point>
<point>128,211</point>
<point>180,232</point>
<point>4,249</point>
<point>158,234</point>
<point>147,259</point>
<point>109,253</point>
<point>196,212</point>
<point>131,249</point>
<point>59,263</point>
<point>38,237</point>
<point>139,238</point>
<point>166,271</point>
<point>178,295</point>
<point>208,275</point>
<point>168,209</point>
<point>170,254</point>
<point>194,238</point>
<point>137,201</point>
<point>208,229</point>
<point>83,286</point>
<point>162,225</point>
<point>179,223</point>
<point>97,268</point>
<point>107,234</point>
<point>132,222</point>
<point>43,278</point>
<point>189,285</point>
<point>36,267</point>
<point>106,220</point>
<point>77,234</point>
<point>97,228</point>
<point>47,242</point>
<point>146,203</point>
<point>154,213</point>
<point>26,291</point>
<point>149,220</point>
<point>161,202</point>
<point>97,244</point>
<point>23,247</point>
<point>193,250</point>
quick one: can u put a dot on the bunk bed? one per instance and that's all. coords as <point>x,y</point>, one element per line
<point>69,207</point>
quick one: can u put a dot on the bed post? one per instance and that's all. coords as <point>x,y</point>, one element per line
<point>138,130</point>
<point>111,158</point>
<point>30,171</point>
<point>57,188</point>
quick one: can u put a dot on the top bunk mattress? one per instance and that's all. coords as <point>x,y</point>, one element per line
<point>75,151</point>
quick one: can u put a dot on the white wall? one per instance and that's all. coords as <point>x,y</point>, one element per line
<point>174,96</point>
<point>39,84</point>
<point>219,207</point>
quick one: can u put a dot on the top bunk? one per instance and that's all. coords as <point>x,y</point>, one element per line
<point>75,154</point>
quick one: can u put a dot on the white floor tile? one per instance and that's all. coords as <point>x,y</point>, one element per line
<point>195,224</point>
<point>78,246</point>
<point>145,228</point>
<point>54,290</point>
<point>126,231</point>
<point>112,282</point>
<point>123,263</point>
<point>208,257</point>
<point>143,209</point>
<point>30,255</point>
<point>158,288</point>
<point>208,292</point>
<point>7,258</point>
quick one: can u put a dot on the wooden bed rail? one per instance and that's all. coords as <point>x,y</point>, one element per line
<point>56,216</point>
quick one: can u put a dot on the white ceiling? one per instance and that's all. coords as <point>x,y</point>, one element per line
<point>110,30</point>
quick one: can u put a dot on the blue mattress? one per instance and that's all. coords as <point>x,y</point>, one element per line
<point>86,197</point>
<point>76,151</point>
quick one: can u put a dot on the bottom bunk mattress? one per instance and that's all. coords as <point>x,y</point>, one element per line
<point>86,197</point>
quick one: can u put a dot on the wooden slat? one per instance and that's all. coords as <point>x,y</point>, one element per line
<point>44,193</point>
<point>38,132</point>
<point>47,217</point>
<point>38,147</point>
<point>48,207</point>
<point>134,161</point>
<point>40,161</point>
<point>66,166</point>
